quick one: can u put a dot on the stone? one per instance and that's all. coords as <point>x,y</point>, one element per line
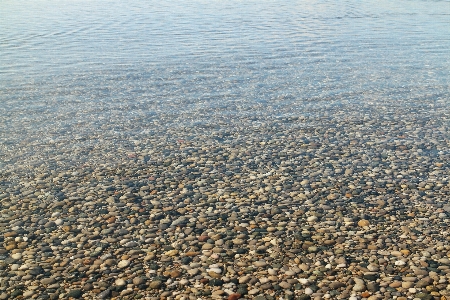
<point>172,252</point>
<point>285,285</point>
<point>75,294</point>
<point>260,263</point>
<point>28,294</point>
<point>175,273</point>
<point>138,280</point>
<point>157,284</point>
<point>105,294</point>
<point>16,256</point>
<point>336,285</point>
<point>234,296</point>
<point>363,223</point>
<point>120,282</point>
<point>47,281</point>
<point>359,285</point>
<point>123,264</point>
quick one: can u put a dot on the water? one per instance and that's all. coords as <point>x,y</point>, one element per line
<point>75,70</point>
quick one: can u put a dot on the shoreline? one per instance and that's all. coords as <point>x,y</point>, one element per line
<point>300,208</point>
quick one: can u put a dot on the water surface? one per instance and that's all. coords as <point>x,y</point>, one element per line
<point>72,68</point>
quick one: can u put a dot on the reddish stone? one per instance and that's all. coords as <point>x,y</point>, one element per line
<point>175,274</point>
<point>111,220</point>
<point>203,238</point>
<point>234,296</point>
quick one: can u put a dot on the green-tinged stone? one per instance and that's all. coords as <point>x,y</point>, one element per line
<point>74,294</point>
<point>156,284</point>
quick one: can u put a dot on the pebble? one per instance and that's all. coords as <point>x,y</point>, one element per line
<point>234,296</point>
<point>28,294</point>
<point>16,256</point>
<point>155,284</point>
<point>285,285</point>
<point>105,294</point>
<point>359,285</point>
<point>363,223</point>
<point>76,293</point>
<point>120,282</point>
<point>342,204</point>
<point>48,281</point>
<point>123,264</point>
<point>138,280</point>
<point>260,264</point>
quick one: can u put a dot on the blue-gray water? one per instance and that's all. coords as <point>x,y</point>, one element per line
<point>69,68</point>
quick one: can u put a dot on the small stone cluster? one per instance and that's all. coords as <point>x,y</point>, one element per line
<point>347,205</point>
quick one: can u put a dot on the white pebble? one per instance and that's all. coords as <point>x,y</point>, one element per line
<point>215,270</point>
<point>123,264</point>
<point>120,282</point>
<point>312,219</point>
<point>303,280</point>
<point>17,255</point>
<point>399,263</point>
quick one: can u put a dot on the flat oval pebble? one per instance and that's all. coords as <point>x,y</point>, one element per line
<point>363,223</point>
<point>215,270</point>
<point>16,256</point>
<point>260,263</point>
<point>120,282</point>
<point>123,264</point>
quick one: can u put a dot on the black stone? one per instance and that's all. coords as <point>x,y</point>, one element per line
<point>16,293</point>
<point>215,282</point>
<point>371,277</point>
<point>241,251</point>
<point>36,271</point>
<point>186,260</point>
<point>243,290</point>
<point>75,294</point>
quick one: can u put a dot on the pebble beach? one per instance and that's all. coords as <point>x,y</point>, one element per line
<point>342,205</point>
<point>195,150</point>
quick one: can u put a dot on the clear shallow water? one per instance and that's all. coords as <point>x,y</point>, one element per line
<point>69,69</point>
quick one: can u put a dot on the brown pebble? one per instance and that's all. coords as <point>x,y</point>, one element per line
<point>10,234</point>
<point>214,274</point>
<point>234,296</point>
<point>175,274</point>
<point>372,247</point>
<point>405,252</point>
<point>396,284</point>
<point>11,246</point>
<point>204,280</point>
<point>363,223</point>
<point>111,220</point>
<point>240,228</point>
<point>203,238</point>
